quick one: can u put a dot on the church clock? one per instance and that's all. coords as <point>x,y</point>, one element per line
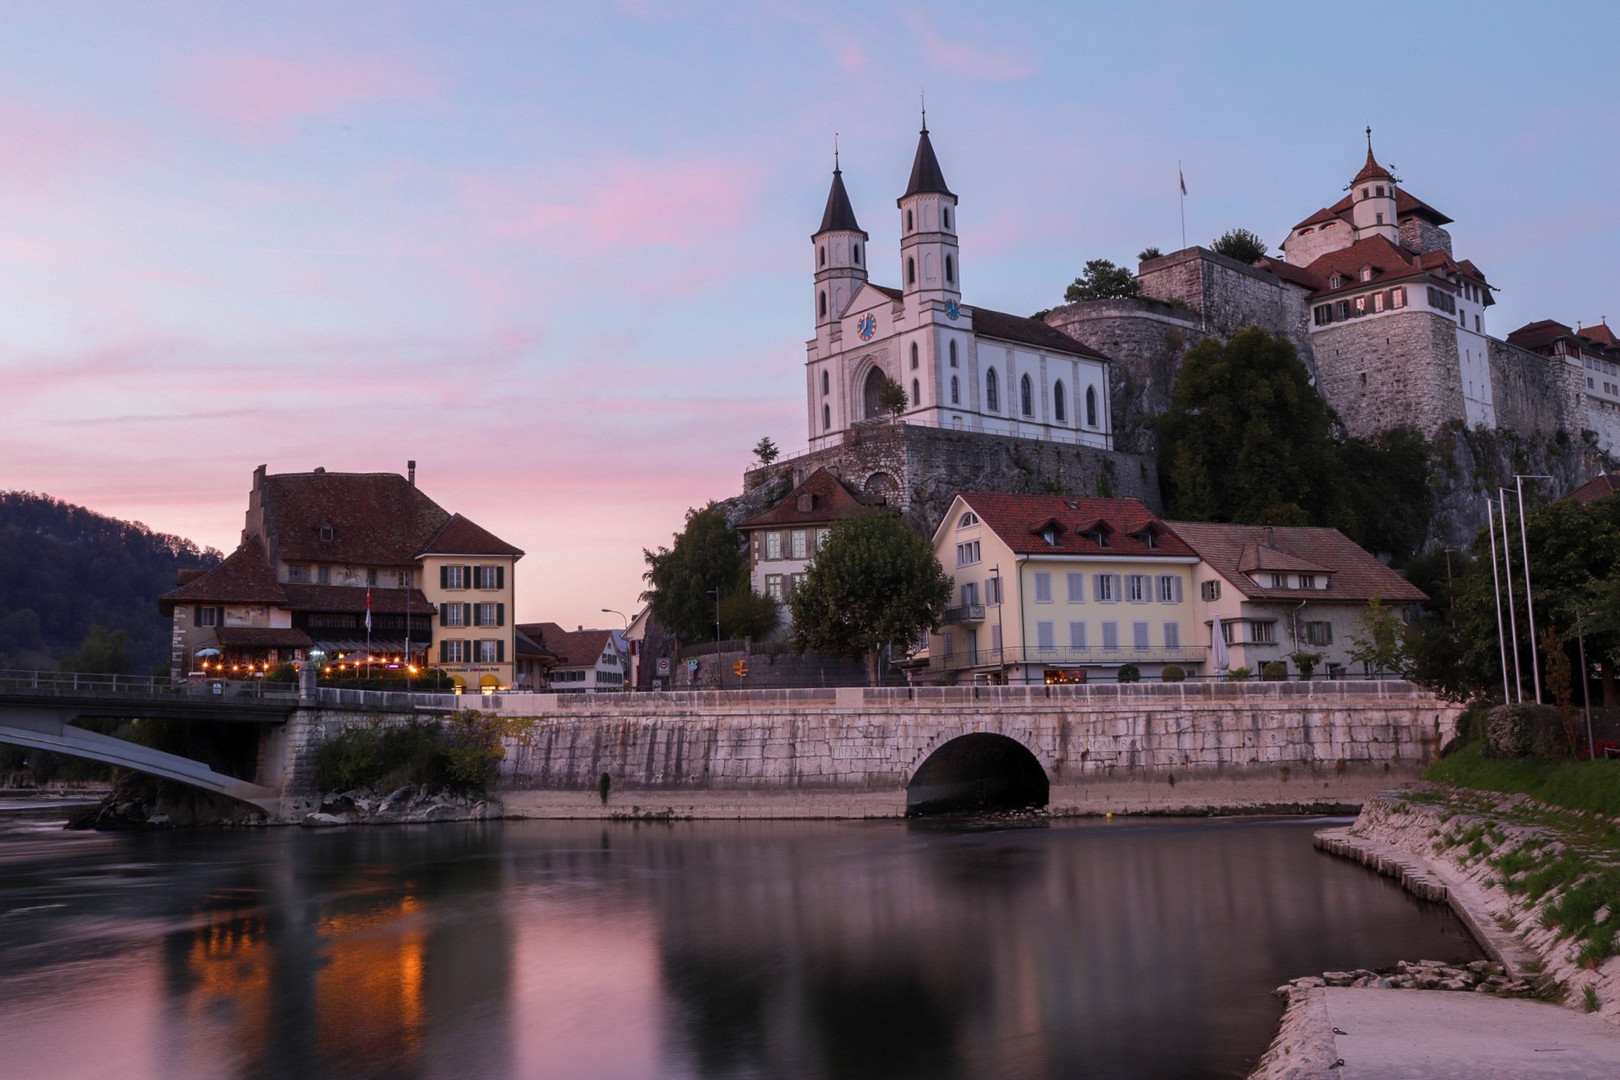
<point>867,326</point>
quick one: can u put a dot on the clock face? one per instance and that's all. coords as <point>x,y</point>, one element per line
<point>951,310</point>
<point>867,326</point>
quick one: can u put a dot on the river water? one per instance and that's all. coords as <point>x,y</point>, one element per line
<point>560,950</point>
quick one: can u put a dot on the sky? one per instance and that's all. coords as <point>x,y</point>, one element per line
<point>559,254</point>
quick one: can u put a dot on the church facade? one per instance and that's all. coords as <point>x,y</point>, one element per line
<point>960,367</point>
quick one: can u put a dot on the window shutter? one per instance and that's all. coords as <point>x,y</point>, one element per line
<point>444,649</point>
<point>196,615</point>
<point>500,577</point>
<point>500,614</point>
<point>466,577</point>
<point>1176,589</point>
<point>500,650</point>
<point>444,577</point>
<point>444,614</point>
<point>466,614</point>
<point>1117,583</point>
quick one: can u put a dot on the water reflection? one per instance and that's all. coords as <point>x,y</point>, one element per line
<point>716,950</point>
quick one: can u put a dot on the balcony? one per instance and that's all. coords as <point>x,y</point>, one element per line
<point>1068,657</point>
<point>967,613</point>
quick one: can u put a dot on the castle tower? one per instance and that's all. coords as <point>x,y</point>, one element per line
<point>930,266</point>
<point>1372,200</point>
<point>840,253</point>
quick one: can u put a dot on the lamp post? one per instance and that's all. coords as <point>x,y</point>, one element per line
<point>1524,547</point>
<point>1586,686</point>
<point>623,666</point>
<point>1496,593</point>
<point>1513,617</point>
<point>719,669</point>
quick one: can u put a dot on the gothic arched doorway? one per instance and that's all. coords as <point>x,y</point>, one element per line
<point>872,394</point>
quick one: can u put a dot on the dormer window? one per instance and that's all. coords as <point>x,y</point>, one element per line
<point>1335,280</point>
<point>807,503</point>
<point>1098,537</point>
<point>1366,273</point>
<point>1307,581</point>
<point>327,533</point>
<point>1050,535</point>
<point>1149,538</point>
<point>1279,581</point>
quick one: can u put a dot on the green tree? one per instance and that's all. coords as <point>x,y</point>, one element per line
<point>681,580</point>
<point>1240,244</point>
<point>1149,253</point>
<point>891,397</point>
<point>765,450</point>
<point>747,614</point>
<point>1248,439</point>
<point>1101,280</point>
<point>102,652</point>
<point>873,584</point>
<point>1377,642</point>
<point>1387,489</point>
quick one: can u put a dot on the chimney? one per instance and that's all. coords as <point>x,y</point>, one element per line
<point>410,472</point>
<point>1271,537</point>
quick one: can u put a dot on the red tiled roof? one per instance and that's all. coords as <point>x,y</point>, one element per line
<point>1019,519</point>
<point>1371,170</point>
<point>245,577</point>
<point>1356,575</point>
<point>458,536</point>
<point>1538,335</point>
<point>350,598</point>
<point>263,637</point>
<point>1600,486</point>
<point>1406,205</point>
<point>1325,214</point>
<point>830,501</point>
<point>377,519</point>
<point>524,645</point>
<point>1297,275</point>
<point>1259,557</point>
<point>1389,263</point>
<point>577,648</point>
<point>892,294</point>
<point>1600,334</point>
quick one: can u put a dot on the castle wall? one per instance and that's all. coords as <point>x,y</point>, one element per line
<point>1395,370</point>
<point>1419,235</point>
<point>1535,395</point>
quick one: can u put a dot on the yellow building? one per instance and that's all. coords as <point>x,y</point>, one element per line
<point>1051,589</point>
<point>467,574</point>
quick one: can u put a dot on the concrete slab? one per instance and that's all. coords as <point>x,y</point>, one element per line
<point>1433,1035</point>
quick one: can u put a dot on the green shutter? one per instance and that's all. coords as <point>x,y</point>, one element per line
<point>444,614</point>
<point>500,577</point>
<point>444,577</point>
<point>500,614</point>
<point>500,650</point>
<point>466,577</point>
<point>466,614</point>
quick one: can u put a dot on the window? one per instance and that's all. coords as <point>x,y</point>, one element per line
<point>326,533</point>
<point>826,418</point>
<point>967,520</point>
<point>1210,590</point>
<point>800,543</point>
<point>1476,324</point>
<point>823,251</point>
<point>823,303</point>
<point>490,651</point>
<point>911,268</point>
<point>454,652</point>
<point>1380,217</point>
<point>1279,581</point>
<point>209,616</point>
<point>1105,587</point>
<point>1442,300</point>
<point>794,581</point>
<point>856,249</point>
<point>1050,535</point>
<point>1139,635</point>
<point>916,394</point>
<point>1091,406</point>
<point>1263,633</point>
<point>913,356</point>
<point>970,593</point>
<point>821,538</point>
<point>1149,538</point>
<point>1318,633</point>
<point>991,394</point>
<point>953,354</point>
<point>1059,406</point>
<point>992,590</point>
<point>950,270</point>
<point>1366,273</point>
<point>1136,588</point>
<point>1397,297</point>
<point>1045,640</point>
<point>453,577</point>
<point>489,614</point>
<point>1169,589</point>
<point>323,574</point>
<point>1110,635</point>
<point>824,383</point>
<point>1323,314</point>
<point>406,578</point>
<point>1307,581</point>
<point>773,545</point>
<point>1172,635</point>
<point>371,577</point>
<point>1380,190</point>
<point>1077,588</point>
<point>298,575</point>
<point>1378,301</point>
<point>1043,588</point>
<point>956,393</point>
<point>1026,396</point>
<point>455,614</point>
<point>1077,635</point>
<point>945,215</point>
<point>773,587</point>
<point>1098,537</point>
<point>908,221</point>
<point>967,554</point>
<point>1361,305</point>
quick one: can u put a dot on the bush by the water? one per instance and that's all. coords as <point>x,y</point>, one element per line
<point>1578,785</point>
<point>459,752</point>
<point>1516,731</point>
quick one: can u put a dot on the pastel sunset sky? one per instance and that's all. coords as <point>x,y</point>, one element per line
<point>559,253</point>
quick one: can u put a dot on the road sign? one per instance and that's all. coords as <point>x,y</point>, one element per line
<point>741,668</point>
<point>663,665</point>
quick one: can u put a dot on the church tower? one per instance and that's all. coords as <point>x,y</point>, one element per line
<point>1372,200</point>
<point>840,253</point>
<point>930,267</point>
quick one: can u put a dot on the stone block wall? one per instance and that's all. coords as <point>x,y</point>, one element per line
<point>1392,370</point>
<point>1419,235</point>
<point>1534,395</point>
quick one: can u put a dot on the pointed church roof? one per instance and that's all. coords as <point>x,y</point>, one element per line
<point>839,215</point>
<point>926,177</point>
<point>1371,170</point>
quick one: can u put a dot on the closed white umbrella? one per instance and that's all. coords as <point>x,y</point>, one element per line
<point>1223,660</point>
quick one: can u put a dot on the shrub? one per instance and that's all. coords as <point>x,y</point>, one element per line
<point>1306,662</point>
<point>1515,731</point>
<point>1274,671</point>
<point>1129,673</point>
<point>1173,673</point>
<point>1239,674</point>
<point>458,752</point>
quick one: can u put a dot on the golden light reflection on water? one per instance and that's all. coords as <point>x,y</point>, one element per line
<point>368,994</point>
<point>228,971</point>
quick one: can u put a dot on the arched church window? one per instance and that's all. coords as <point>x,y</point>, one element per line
<point>856,249</point>
<point>1059,405</point>
<point>916,394</point>
<point>823,254</point>
<point>950,270</point>
<point>992,395</point>
<point>826,418</point>
<point>953,354</point>
<point>824,304</point>
<point>908,221</point>
<point>945,215</point>
<point>956,393</point>
<point>913,356</point>
<point>1091,406</point>
<point>824,383</point>
<point>1026,396</point>
<point>911,271</point>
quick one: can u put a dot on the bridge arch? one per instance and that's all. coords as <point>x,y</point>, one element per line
<point>981,770</point>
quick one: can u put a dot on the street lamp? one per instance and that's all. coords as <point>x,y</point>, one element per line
<point>623,665</point>
<point>1513,617</point>
<point>1586,686</point>
<point>719,669</point>
<point>1496,594</point>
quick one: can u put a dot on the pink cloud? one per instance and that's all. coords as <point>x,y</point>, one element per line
<point>260,95</point>
<point>982,59</point>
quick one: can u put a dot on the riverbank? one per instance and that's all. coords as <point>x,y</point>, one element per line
<point>1535,885</point>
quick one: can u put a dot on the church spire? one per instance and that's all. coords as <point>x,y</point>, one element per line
<point>839,214</point>
<point>926,177</point>
<point>1372,170</point>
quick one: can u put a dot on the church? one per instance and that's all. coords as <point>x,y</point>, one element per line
<point>961,367</point>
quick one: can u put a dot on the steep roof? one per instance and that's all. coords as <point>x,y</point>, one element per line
<point>377,519</point>
<point>999,324</point>
<point>1356,576</point>
<point>459,536</point>
<point>1540,334</point>
<point>526,646</point>
<point>576,648</point>
<point>1389,262</point>
<point>820,499</point>
<point>1264,557</point>
<point>245,577</point>
<point>926,175</point>
<point>1019,520</point>
<point>1406,205</point>
<point>839,214</point>
<point>1600,486</point>
<point>1372,170</point>
<point>1600,334</point>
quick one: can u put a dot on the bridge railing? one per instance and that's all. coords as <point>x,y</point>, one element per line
<point>77,684</point>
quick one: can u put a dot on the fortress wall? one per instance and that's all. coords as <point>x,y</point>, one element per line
<point>1391,370</point>
<point>1230,296</point>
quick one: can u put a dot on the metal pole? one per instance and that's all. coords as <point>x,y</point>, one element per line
<point>1513,617</point>
<point>1524,546</point>
<point>1496,591</point>
<point>1586,689</point>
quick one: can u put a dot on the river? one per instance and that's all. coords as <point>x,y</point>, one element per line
<point>830,950</point>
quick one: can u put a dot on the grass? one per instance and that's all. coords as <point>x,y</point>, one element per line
<point>1576,785</point>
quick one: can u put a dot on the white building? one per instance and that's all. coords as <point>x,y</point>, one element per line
<point>962,367</point>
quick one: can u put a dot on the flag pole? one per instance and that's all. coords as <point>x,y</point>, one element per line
<point>368,630</point>
<point>1181,177</point>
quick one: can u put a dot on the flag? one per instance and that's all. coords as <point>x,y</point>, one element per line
<point>1183,178</point>
<point>368,609</point>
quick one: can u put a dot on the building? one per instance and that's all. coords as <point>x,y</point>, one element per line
<point>1589,359</point>
<point>1051,589</point>
<point>1279,591</point>
<point>345,563</point>
<point>782,540</point>
<point>589,661</point>
<point>532,670</point>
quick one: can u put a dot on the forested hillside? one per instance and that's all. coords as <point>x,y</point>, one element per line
<point>64,569</point>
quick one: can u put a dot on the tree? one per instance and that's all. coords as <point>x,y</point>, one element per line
<point>681,579</point>
<point>892,397</point>
<point>747,614</point>
<point>1240,244</point>
<point>1248,439</point>
<point>1101,280</point>
<point>874,583</point>
<point>765,450</point>
<point>1387,488</point>
<point>102,653</point>
<point>1149,253</point>
<point>1377,641</point>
